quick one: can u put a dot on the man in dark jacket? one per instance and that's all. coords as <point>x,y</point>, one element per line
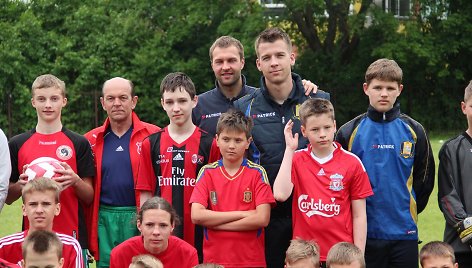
<point>271,107</point>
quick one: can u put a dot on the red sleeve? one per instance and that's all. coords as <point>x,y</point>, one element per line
<point>146,178</point>
<point>215,154</point>
<point>200,191</point>
<point>360,185</point>
<point>263,191</point>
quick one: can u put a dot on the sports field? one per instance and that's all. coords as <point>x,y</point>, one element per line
<point>431,221</point>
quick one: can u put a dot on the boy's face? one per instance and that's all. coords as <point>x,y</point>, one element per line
<point>438,262</point>
<point>227,65</point>
<point>48,103</point>
<point>354,264</point>
<point>117,100</point>
<point>47,259</point>
<point>275,61</point>
<point>303,263</point>
<point>178,106</point>
<point>467,110</point>
<point>319,130</point>
<point>382,94</point>
<point>233,144</point>
<point>40,208</point>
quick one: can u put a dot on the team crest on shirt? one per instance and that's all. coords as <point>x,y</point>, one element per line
<point>197,159</point>
<point>213,198</point>
<point>64,152</point>
<point>336,183</point>
<point>406,149</point>
<point>247,196</point>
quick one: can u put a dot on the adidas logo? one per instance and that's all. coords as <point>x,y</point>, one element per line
<point>119,149</point>
<point>321,173</point>
<point>178,157</point>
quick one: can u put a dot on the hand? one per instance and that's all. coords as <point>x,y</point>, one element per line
<point>68,178</point>
<point>309,87</point>
<point>23,179</point>
<point>464,229</point>
<point>291,141</point>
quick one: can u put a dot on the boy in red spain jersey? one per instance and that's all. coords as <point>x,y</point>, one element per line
<point>232,199</point>
<point>51,139</point>
<point>329,184</point>
<point>170,158</point>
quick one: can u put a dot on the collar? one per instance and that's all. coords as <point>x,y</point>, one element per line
<point>242,93</point>
<point>136,124</point>
<point>297,88</point>
<point>388,116</point>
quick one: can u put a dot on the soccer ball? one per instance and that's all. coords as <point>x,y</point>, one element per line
<point>43,167</point>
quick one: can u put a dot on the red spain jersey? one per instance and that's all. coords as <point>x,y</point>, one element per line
<point>169,169</point>
<point>65,146</point>
<point>179,254</point>
<point>218,191</point>
<point>11,251</point>
<point>322,195</point>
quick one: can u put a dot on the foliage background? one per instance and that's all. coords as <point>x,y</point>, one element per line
<point>85,42</point>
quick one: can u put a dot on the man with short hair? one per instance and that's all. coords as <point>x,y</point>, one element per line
<point>278,100</point>
<point>116,146</point>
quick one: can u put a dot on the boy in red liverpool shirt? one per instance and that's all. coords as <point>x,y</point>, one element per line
<point>329,184</point>
<point>232,199</point>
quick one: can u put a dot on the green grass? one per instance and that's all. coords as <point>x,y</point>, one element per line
<point>430,223</point>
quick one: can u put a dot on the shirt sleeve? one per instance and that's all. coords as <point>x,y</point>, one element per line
<point>5,168</point>
<point>449,199</point>
<point>360,185</point>
<point>263,191</point>
<point>200,191</point>
<point>146,178</point>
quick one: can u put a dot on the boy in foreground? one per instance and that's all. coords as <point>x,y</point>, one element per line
<point>232,199</point>
<point>437,254</point>
<point>302,254</point>
<point>396,153</point>
<point>329,184</point>
<point>454,187</point>
<point>171,158</point>
<point>345,255</point>
<point>40,206</point>
<point>42,249</point>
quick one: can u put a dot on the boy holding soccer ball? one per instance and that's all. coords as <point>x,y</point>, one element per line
<point>50,139</point>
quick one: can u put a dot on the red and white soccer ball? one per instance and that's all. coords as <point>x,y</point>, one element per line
<point>43,167</point>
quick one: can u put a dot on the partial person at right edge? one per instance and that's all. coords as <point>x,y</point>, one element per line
<point>454,187</point>
<point>278,100</point>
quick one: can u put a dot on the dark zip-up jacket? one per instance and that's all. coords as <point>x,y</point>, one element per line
<point>212,104</point>
<point>268,132</point>
<point>455,187</point>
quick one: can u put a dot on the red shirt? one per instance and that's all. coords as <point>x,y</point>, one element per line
<point>322,195</point>
<point>218,191</point>
<point>65,146</point>
<point>179,254</point>
<point>10,249</point>
<point>169,169</point>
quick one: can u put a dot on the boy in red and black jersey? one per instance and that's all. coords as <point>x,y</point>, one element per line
<point>171,158</point>
<point>50,139</point>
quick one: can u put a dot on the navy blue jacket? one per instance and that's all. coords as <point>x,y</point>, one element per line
<point>268,132</point>
<point>212,104</point>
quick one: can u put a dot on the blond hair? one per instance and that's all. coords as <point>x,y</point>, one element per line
<point>437,249</point>
<point>345,253</point>
<point>316,106</point>
<point>468,91</point>
<point>225,42</point>
<point>47,81</point>
<point>41,184</point>
<point>300,249</point>
<point>145,261</point>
